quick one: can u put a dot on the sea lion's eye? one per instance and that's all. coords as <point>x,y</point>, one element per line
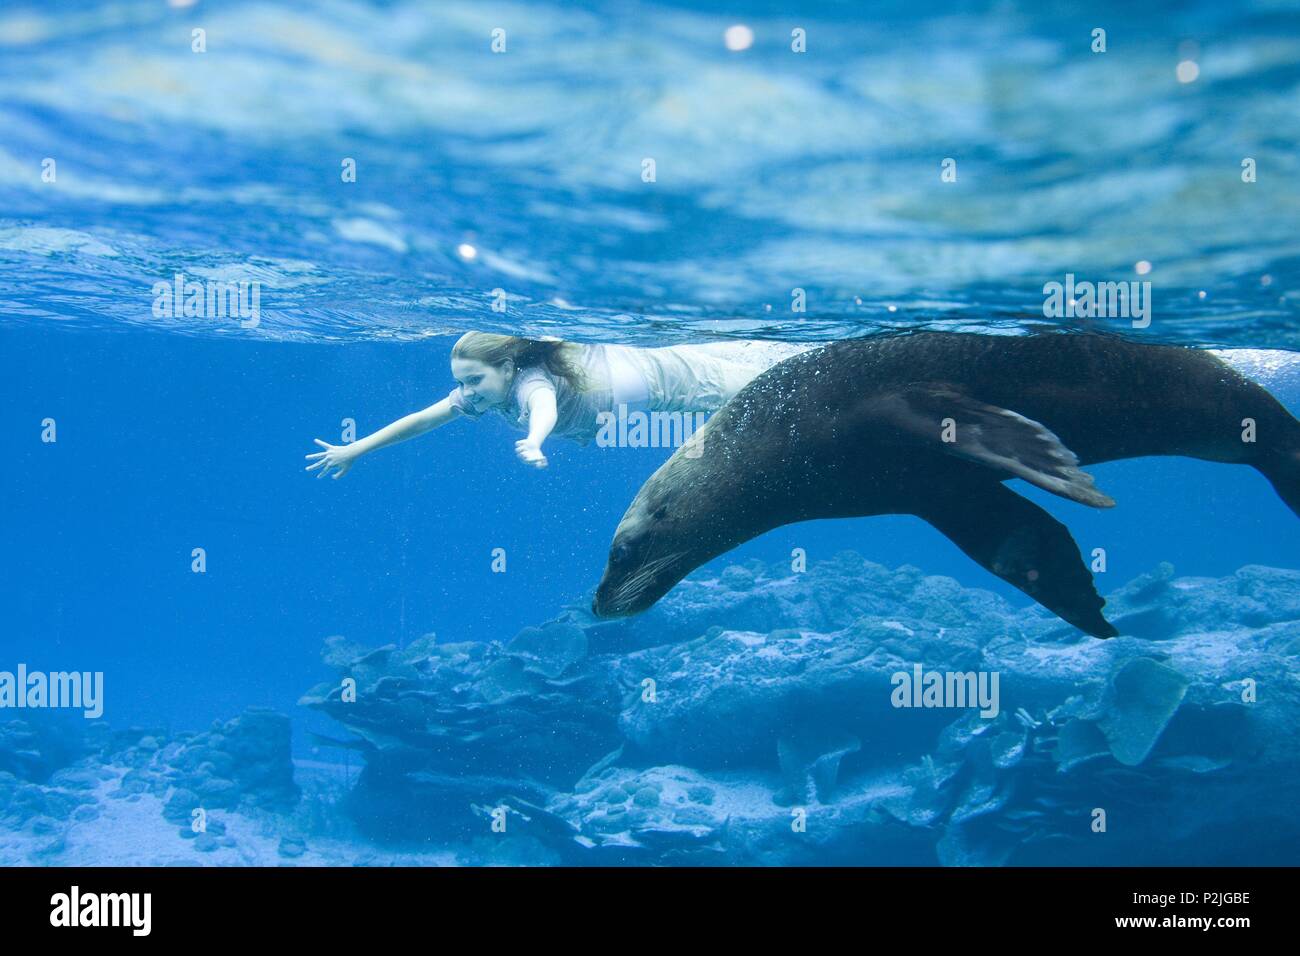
<point>660,513</point>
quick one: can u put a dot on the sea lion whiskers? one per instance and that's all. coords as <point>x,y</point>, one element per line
<point>643,576</point>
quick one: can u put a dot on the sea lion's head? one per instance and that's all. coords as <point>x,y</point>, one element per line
<point>652,549</point>
<point>734,479</point>
<point>704,501</point>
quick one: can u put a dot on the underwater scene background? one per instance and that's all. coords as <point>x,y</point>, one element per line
<point>386,175</point>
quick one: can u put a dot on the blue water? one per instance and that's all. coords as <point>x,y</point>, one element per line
<point>522,171</point>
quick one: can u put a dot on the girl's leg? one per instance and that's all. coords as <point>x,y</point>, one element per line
<point>703,378</point>
<point>628,380</point>
<point>754,353</point>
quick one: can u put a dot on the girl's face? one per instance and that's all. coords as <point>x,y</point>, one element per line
<point>484,386</point>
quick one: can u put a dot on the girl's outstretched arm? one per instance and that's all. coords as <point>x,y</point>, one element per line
<point>341,457</point>
<point>541,420</point>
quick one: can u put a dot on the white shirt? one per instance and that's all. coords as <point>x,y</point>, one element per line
<point>696,378</point>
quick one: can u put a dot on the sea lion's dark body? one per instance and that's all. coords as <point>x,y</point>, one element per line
<point>931,424</point>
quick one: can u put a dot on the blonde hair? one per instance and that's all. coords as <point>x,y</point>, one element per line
<point>561,359</point>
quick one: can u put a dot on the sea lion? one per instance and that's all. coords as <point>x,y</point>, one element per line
<point>931,424</point>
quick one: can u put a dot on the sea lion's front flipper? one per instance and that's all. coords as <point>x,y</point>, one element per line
<point>1023,545</point>
<point>997,437</point>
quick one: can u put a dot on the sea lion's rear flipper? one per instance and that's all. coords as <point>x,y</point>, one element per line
<point>1023,545</point>
<point>997,437</point>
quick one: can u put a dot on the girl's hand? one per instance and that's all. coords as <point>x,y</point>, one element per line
<point>339,457</point>
<point>529,453</point>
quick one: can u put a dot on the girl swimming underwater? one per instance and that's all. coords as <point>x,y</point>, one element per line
<point>546,387</point>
